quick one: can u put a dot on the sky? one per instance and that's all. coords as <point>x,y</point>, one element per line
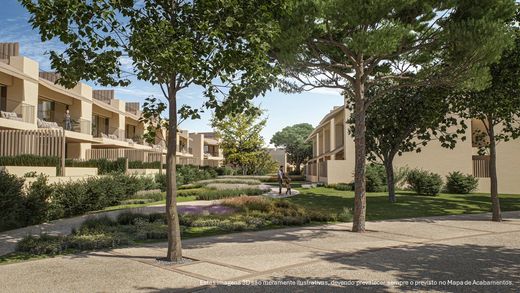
<point>281,109</point>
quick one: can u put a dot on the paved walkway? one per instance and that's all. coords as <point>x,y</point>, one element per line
<point>274,193</point>
<point>422,254</point>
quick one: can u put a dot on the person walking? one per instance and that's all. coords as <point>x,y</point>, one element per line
<point>288,186</point>
<point>281,176</point>
<point>68,120</point>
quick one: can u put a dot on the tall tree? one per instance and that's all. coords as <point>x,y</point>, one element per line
<point>353,45</point>
<point>405,120</point>
<point>171,43</point>
<point>498,109</point>
<point>293,138</point>
<point>242,144</point>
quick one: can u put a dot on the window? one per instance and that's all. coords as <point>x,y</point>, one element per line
<point>99,125</point>
<point>130,131</point>
<point>46,110</point>
<point>3,98</point>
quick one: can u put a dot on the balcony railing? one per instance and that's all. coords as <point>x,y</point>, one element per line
<point>18,111</point>
<point>111,133</point>
<point>481,166</point>
<point>211,154</point>
<point>77,125</point>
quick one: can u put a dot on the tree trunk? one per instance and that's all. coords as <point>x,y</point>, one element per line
<point>389,167</point>
<point>495,202</point>
<point>174,233</point>
<point>297,168</point>
<point>358,224</point>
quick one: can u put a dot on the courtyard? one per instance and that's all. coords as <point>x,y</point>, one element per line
<point>432,253</point>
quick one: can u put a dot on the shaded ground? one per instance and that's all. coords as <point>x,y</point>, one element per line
<point>425,254</point>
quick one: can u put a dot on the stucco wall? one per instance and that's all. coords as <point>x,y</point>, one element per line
<point>20,171</point>
<point>80,171</point>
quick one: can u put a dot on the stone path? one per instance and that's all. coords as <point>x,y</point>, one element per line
<point>274,193</point>
<point>421,254</point>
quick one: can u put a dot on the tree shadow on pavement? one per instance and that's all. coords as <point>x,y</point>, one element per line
<point>439,262</point>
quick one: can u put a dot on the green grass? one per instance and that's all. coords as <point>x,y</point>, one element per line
<point>408,204</point>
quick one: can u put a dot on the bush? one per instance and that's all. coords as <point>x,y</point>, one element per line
<point>45,244</point>
<point>187,174</point>
<point>456,182</point>
<point>424,182</point>
<point>225,171</point>
<point>37,201</point>
<point>29,160</point>
<point>144,165</point>
<point>53,245</point>
<point>12,202</point>
<point>344,186</point>
<point>375,178</point>
<point>104,166</point>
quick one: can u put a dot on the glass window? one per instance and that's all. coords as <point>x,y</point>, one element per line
<point>46,110</point>
<point>3,98</point>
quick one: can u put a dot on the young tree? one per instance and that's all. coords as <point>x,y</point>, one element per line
<point>353,45</point>
<point>242,143</point>
<point>405,120</point>
<point>171,43</point>
<point>292,138</point>
<point>498,108</point>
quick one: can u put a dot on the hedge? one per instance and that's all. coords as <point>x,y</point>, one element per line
<point>43,202</point>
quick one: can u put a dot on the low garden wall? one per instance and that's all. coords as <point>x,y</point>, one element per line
<point>20,171</point>
<point>143,171</point>
<point>80,171</point>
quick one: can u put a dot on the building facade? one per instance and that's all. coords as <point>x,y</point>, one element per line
<point>280,156</point>
<point>206,149</point>
<point>333,156</point>
<point>40,117</point>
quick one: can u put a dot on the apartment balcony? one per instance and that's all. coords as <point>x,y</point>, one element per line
<point>112,137</point>
<point>15,112</point>
<point>184,151</point>
<point>481,166</point>
<point>212,155</point>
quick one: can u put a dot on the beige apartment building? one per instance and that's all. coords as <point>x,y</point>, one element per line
<point>279,155</point>
<point>40,117</point>
<point>206,149</point>
<point>333,156</point>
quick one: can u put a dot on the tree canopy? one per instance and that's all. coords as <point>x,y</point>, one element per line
<point>292,138</point>
<point>220,46</point>
<point>353,45</point>
<point>242,143</point>
<point>405,120</point>
<point>497,108</point>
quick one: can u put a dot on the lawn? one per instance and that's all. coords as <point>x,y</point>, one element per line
<point>408,204</point>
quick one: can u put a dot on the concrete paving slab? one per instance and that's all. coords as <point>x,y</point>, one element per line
<point>218,272</point>
<point>264,255</point>
<point>479,225</point>
<point>89,273</point>
<point>421,229</point>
